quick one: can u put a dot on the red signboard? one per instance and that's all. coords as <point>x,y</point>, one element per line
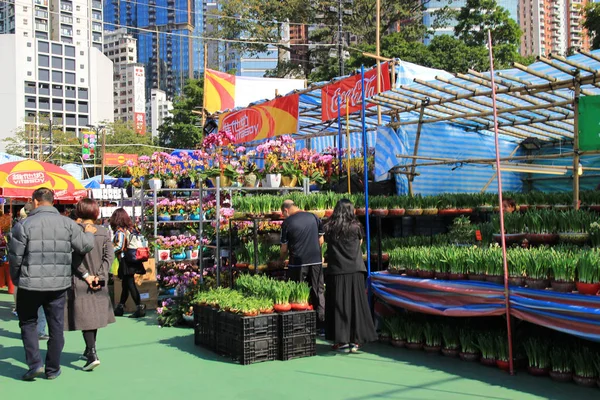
<point>117,159</point>
<point>350,91</point>
<point>140,123</point>
<point>272,118</point>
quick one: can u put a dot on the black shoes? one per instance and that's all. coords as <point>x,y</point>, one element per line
<point>32,374</point>
<point>139,312</point>
<point>92,360</point>
<point>119,310</point>
<point>53,376</point>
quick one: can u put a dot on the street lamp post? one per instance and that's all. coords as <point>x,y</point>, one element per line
<point>97,130</point>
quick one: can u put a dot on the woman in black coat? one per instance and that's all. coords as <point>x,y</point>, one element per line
<point>347,315</point>
<point>89,307</point>
<point>122,226</point>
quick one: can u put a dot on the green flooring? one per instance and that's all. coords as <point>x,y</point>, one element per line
<point>142,361</point>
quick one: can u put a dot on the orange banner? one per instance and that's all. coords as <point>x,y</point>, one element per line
<point>220,91</point>
<point>117,159</point>
<point>272,118</point>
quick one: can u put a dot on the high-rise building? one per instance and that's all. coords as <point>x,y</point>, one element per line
<point>129,79</point>
<point>157,109</point>
<point>168,34</point>
<point>53,71</point>
<point>552,26</point>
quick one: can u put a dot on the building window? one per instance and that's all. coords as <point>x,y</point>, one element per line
<point>29,59</point>
<point>29,45</point>
<point>81,66</point>
<point>69,78</point>
<point>26,34</point>
<point>43,47</point>
<point>24,21</point>
<point>82,80</point>
<point>57,62</point>
<point>69,65</point>
<point>57,76</point>
<point>44,89</point>
<point>83,94</point>
<point>29,73</point>
<point>57,91</point>
<point>81,53</point>
<point>25,8</point>
<point>44,103</point>
<point>30,102</point>
<point>56,49</point>
<point>43,75</point>
<point>70,92</point>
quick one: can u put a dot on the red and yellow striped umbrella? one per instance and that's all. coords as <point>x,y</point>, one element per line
<point>19,179</point>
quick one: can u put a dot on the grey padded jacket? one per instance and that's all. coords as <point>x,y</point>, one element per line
<point>40,247</point>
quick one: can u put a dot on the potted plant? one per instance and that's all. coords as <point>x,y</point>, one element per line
<point>289,174</point>
<point>563,265</point>
<point>469,351</point>
<point>300,295</point>
<point>429,205</point>
<point>573,226</point>
<point>447,205</point>
<point>433,338</point>
<point>396,206</point>
<point>413,206</point>
<point>537,269</point>
<point>584,369</point>
<point>588,272</point>
<point>379,204</point>
<point>476,261</point>
<point>457,260</point>
<point>414,335</point>
<point>397,327</point>
<point>282,294</point>
<point>427,267</point>
<point>561,363</point>
<point>486,343</point>
<point>451,339</point>
<point>542,227</point>
<point>359,205</point>
<point>537,350</point>
<point>441,257</point>
<point>502,351</point>
<point>265,306</point>
<point>516,266</point>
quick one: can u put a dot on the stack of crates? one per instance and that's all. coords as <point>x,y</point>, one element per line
<point>297,335</point>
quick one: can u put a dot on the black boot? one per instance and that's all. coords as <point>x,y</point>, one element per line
<point>139,312</point>
<point>85,354</point>
<point>92,360</point>
<point>119,310</point>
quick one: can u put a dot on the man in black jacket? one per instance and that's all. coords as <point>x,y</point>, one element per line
<point>40,265</point>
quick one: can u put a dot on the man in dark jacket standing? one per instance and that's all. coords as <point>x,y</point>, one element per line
<point>40,265</point>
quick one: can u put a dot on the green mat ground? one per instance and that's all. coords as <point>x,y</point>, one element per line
<point>142,361</point>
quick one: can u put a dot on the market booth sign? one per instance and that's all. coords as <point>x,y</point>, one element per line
<point>272,118</point>
<point>119,159</point>
<point>589,123</point>
<point>19,180</point>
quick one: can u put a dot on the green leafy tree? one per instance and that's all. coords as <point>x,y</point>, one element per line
<point>59,148</point>
<point>477,17</point>
<point>591,23</point>
<point>121,137</point>
<point>182,130</point>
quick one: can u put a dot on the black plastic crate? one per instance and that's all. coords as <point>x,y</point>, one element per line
<point>205,326</point>
<point>248,352</point>
<point>247,328</point>
<point>297,347</point>
<point>297,323</point>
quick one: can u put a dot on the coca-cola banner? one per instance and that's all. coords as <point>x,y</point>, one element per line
<point>349,90</point>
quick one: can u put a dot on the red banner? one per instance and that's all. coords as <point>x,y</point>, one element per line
<point>118,159</point>
<point>349,90</point>
<point>272,118</point>
<point>140,123</point>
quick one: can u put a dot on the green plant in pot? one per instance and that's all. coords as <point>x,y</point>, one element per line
<point>414,205</point>
<point>538,355</point>
<point>563,265</point>
<point>379,204</point>
<point>451,340</point>
<point>537,268</point>
<point>561,363</point>
<point>433,337</point>
<point>517,265</point>
<point>502,356</point>
<point>282,295</point>
<point>468,344</point>
<point>486,343</point>
<point>414,334</point>
<point>397,327</point>
<point>430,205</point>
<point>494,265</point>
<point>584,367</point>
<point>300,295</point>
<point>573,226</point>
<point>588,272</point>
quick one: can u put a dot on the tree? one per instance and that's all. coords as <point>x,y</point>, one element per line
<point>182,130</point>
<point>591,22</point>
<point>479,16</point>
<point>34,142</point>
<point>124,133</point>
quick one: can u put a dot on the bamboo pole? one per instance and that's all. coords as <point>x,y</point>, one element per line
<point>416,149</point>
<point>489,182</point>
<point>204,89</point>
<point>576,145</point>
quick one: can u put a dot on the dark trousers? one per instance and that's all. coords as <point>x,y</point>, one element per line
<point>129,287</point>
<point>28,303</point>
<point>313,274</point>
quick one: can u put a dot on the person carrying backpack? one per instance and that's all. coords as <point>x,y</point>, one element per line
<point>129,252</point>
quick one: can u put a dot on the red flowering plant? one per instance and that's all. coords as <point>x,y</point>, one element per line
<point>276,152</point>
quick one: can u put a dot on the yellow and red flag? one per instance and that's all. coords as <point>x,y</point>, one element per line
<point>265,120</point>
<point>220,91</point>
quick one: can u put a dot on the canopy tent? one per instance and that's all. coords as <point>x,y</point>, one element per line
<point>19,179</point>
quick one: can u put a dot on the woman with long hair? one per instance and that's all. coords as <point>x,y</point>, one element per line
<point>347,316</point>
<point>89,307</point>
<point>122,226</point>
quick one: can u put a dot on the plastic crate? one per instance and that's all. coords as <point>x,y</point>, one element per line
<point>297,323</point>
<point>298,347</point>
<point>205,326</point>
<point>248,352</point>
<point>247,328</point>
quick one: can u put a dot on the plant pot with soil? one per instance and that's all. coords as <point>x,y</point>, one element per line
<point>469,351</point>
<point>584,366</point>
<point>414,335</point>
<point>396,212</point>
<point>433,338</point>
<point>588,275</point>
<point>486,343</point>
<point>538,356</point>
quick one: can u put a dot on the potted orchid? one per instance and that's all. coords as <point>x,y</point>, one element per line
<point>274,152</point>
